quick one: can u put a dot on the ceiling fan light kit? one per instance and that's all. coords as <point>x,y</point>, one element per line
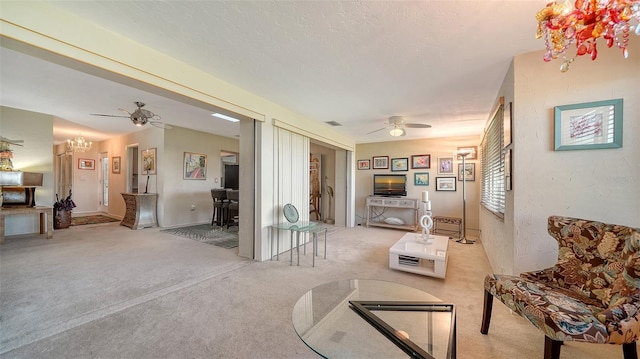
<point>398,126</point>
<point>140,117</point>
<point>397,131</point>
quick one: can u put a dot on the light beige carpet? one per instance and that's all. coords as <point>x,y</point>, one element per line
<point>109,292</point>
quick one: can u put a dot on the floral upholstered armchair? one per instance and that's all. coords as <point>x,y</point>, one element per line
<point>592,294</point>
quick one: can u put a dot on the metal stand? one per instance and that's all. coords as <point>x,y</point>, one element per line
<point>463,239</point>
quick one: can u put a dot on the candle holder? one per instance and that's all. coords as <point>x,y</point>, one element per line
<point>426,221</point>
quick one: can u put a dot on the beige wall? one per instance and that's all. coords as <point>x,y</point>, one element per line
<point>592,184</point>
<point>36,155</point>
<point>178,193</point>
<point>443,203</point>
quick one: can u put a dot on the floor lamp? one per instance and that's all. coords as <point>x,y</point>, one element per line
<point>464,153</point>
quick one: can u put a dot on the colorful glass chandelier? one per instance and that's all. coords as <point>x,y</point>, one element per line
<point>582,22</point>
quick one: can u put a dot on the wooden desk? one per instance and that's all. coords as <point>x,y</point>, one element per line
<point>141,210</point>
<point>46,216</point>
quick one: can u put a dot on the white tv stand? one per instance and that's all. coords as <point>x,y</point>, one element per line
<point>411,204</point>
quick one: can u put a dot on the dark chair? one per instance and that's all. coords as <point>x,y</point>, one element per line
<point>591,295</point>
<point>220,205</point>
<point>232,211</point>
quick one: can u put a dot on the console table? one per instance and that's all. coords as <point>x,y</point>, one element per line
<point>408,204</point>
<point>46,218</point>
<point>141,210</point>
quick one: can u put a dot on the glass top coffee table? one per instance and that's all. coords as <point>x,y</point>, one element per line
<point>359,318</point>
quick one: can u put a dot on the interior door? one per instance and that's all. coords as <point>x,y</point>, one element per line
<point>64,174</point>
<point>103,206</point>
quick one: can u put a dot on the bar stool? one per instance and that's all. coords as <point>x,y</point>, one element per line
<point>232,210</point>
<point>220,205</point>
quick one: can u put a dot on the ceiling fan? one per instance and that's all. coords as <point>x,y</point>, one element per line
<point>140,116</point>
<point>5,142</point>
<point>397,125</point>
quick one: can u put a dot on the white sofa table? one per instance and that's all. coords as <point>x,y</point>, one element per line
<point>412,254</point>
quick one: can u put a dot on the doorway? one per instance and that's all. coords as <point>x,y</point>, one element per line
<point>64,174</point>
<point>103,205</point>
<point>132,169</point>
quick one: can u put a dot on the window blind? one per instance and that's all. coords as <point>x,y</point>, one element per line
<point>492,191</point>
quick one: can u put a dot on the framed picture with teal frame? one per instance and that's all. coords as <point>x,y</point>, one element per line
<point>421,178</point>
<point>587,126</point>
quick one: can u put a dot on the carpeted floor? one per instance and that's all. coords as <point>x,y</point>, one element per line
<point>79,221</point>
<point>106,291</point>
<point>205,233</point>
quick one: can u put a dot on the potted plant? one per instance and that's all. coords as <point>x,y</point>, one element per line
<point>62,212</point>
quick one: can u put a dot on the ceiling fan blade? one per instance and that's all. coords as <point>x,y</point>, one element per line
<point>103,115</point>
<point>11,142</point>
<point>417,125</point>
<point>368,133</point>
<point>159,124</point>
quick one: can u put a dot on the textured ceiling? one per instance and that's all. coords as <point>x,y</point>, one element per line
<point>356,63</point>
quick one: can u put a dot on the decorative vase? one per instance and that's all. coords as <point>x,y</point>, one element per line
<point>61,219</point>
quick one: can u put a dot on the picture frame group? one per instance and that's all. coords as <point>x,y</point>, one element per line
<point>421,178</point>
<point>115,164</point>
<point>586,126</point>
<point>399,164</point>
<point>149,162</point>
<point>86,164</point>
<point>195,166</point>
<point>420,161</point>
<point>380,162</point>
<point>446,184</point>
<point>364,164</point>
<point>469,172</point>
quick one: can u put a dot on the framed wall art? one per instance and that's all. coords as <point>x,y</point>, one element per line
<point>445,165</point>
<point>364,164</point>
<point>195,166</point>
<point>149,161</point>
<point>399,164</point>
<point>445,183</point>
<point>507,170</point>
<point>380,162</point>
<point>421,161</point>
<point>86,164</point>
<point>473,155</point>
<point>507,123</point>
<point>469,172</point>
<point>115,164</point>
<point>587,126</point>
<point>421,178</point>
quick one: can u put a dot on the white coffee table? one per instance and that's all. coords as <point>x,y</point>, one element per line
<point>412,254</point>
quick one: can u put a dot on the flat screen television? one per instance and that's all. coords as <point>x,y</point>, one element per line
<point>390,185</point>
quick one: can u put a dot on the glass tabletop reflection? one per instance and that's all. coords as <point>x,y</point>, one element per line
<point>330,325</point>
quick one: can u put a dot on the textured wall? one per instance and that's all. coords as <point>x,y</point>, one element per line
<point>592,184</point>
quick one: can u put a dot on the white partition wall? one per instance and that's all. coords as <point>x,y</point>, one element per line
<point>291,179</point>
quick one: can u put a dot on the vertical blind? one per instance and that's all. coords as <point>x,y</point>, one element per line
<point>492,160</point>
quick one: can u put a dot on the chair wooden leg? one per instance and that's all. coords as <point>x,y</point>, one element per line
<point>551,348</point>
<point>486,313</point>
<point>630,351</point>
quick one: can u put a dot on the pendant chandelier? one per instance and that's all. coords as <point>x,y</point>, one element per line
<point>582,22</point>
<point>78,144</point>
